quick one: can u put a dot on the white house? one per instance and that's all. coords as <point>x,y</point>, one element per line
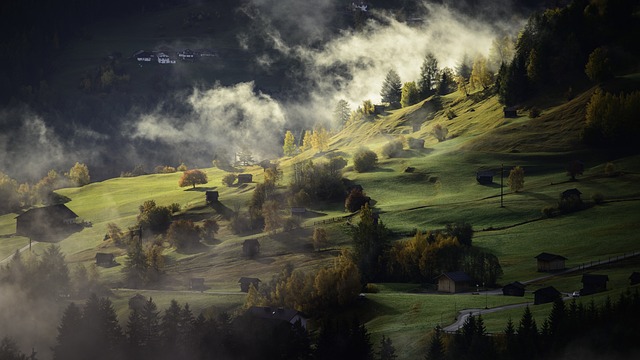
<point>186,54</point>
<point>165,59</point>
<point>144,56</point>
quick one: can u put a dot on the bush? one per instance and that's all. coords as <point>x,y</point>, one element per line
<point>355,200</point>
<point>164,169</point>
<point>175,207</point>
<point>392,148</point>
<point>534,112</point>
<point>371,288</point>
<point>210,229</point>
<point>440,132</point>
<point>415,143</point>
<point>365,160</point>
<point>183,234</point>
<point>229,179</point>
<point>182,167</point>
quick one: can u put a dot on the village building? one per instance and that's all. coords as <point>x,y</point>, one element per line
<point>571,194</point>
<point>454,282</point>
<point>42,221</point>
<point>278,315</point>
<point>165,59</point>
<point>211,196</point>
<point>634,278</point>
<point>298,210</point>
<point>186,55</point>
<point>244,178</point>
<point>510,112</point>
<point>592,283</point>
<point>550,262</point>
<point>515,288</point>
<point>105,259</point>
<point>484,177</point>
<point>545,295</point>
<point>196,284</point>
<point>250,248</point>
<point>246,282</point>
<point>137,302</point>
<point>206,53</point>
<point>144,56</point>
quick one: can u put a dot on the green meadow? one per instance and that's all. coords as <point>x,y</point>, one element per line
<point>441,189</point>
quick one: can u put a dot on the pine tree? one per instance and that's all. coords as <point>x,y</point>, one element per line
<point>70,337</point>
<point>169,328</point>
<point>527,335</point>
<point>135,335</point>
<point>306,141</point>
<point>150,328</point>
<point>391,89</point>
<point>436,347</point>
<point>428,76</point>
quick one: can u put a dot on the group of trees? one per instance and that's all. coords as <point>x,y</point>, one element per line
<point>560,46</point>
<point>318,140</point>
<point>314,293</point>
<point>599,330</point>
<point>17,196</point>
<point>611,120</point>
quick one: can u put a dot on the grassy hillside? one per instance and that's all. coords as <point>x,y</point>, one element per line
<point>441,189</point>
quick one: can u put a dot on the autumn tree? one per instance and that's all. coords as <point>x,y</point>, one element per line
<point>598,67</point>
<point>306,141</point>
<point>371,240</point>
<point>289,147</point>
<point>9,194</point>
<point>271,214</point>
<point>192,178</point>
<point>391,91</point>
<point>183,234</point>
<point>229,179</point>
<point>320,139</point>
<point>462,85</point>
<point>210,228</point>
<point>154,218</point>
<point>515,181</point>
<point>79,174</point>
<point>481,75</point>
<point>410,94</point>
<point>320,239</point>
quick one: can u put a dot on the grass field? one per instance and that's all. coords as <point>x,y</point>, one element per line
<point>442,189</point>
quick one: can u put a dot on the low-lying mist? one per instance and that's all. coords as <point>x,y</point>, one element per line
<point>327,64</point>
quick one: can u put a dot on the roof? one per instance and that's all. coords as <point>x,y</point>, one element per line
<point>484,173</point>
<point>549,257</point>
<point>516,284</point>
<point>248,280</point>
<point>573,191</point>
<point>547,291</point>
<point>60,210</point>
<point>593,278</point>
<point>634,275</point>
<point>267,312</point>
<point>251,242</point>
<point>457,276</point>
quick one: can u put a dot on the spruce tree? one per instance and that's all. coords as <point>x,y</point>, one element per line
<point>436,347</point>
<point>391,89</point>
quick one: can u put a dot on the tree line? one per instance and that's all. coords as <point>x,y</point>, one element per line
<point>592,330</point>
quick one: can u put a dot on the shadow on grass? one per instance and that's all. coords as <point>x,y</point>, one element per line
<point>193,249</point>
<point>378,169</point>
<point>222,210</point>
<point>201,189</point>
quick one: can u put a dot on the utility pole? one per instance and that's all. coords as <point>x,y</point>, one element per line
<point>501,186</point>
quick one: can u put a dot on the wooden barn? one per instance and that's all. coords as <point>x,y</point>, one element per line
<point>571,194</point>
<point>634,278</point>
<point>251,247</point>
<point>244,178</point>
<point>137,302</point>
<point>211,196</point>
<point>245,283</point>
<point>592,283</point>
<point>282,315</point>
<point>44,220</point>
<point>454,282</point>
<point>545,295</point>
<point>105,259</point>
<point>510,112</point>
<point>550,262</point>
<point>484,177</point>
<point>515,288</point>
<point>196,284</point>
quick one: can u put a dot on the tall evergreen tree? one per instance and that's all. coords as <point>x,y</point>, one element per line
<point>70,337</point>
<point>150,328</point>
<point>428,76</point>
<point>169,329</point>
<point>527,335</point>
<point>371,242</point>
<point>436,346</point>
<point>391,91</point>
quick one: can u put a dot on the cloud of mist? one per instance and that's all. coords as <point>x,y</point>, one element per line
<point>231,118</point>
<point>32,323</point>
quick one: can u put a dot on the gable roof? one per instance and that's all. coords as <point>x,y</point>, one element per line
<point>594,279</point>
<point>549,257</point>
<point>58,210</point>
<point>251,242</point>
<point>248,280</point>
<point>547,291</point>
<point>267,312</point>
<point>457,276</point>
<point>516,284</point>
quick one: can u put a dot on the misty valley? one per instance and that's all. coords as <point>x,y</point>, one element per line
<point>259,179</point>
